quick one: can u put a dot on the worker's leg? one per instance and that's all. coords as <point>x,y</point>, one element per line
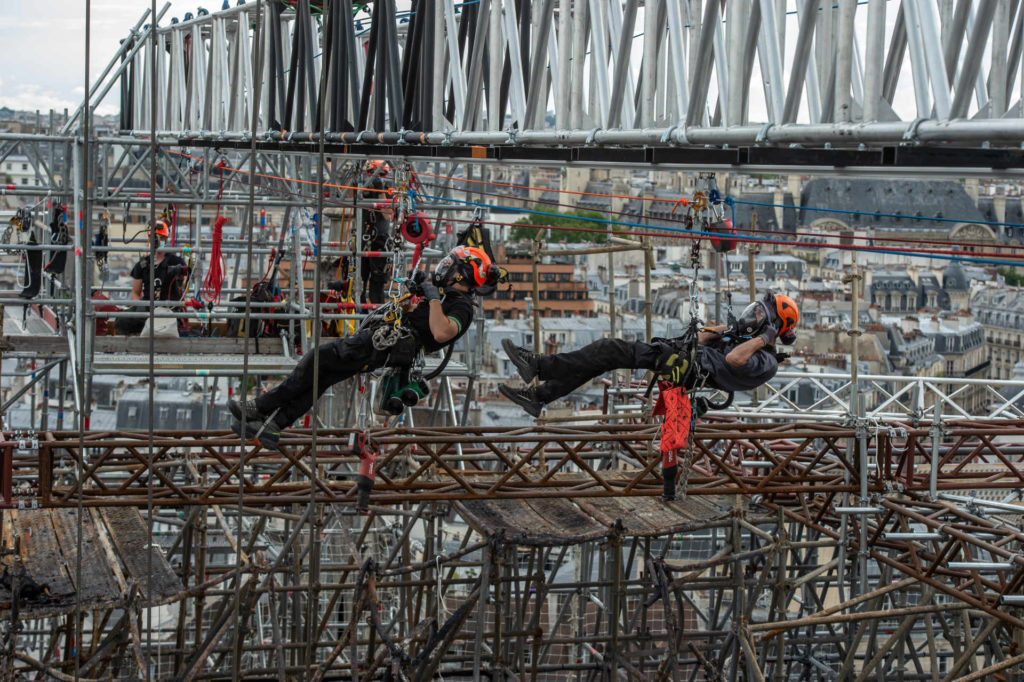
<point>563,373</point>
<point>338,360</point>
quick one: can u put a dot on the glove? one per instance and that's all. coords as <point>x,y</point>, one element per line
<point>430,292</point>
<point>176,270</point>
<point>674,366</point>
<point>337,285</point>
<point>415,281</point>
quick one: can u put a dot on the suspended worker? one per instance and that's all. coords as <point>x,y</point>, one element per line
<point>374,271</point>
<point>169,272</point>
<point>737,357</point>
<point>438,320</point>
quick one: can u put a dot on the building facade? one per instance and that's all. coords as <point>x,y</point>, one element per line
<point>1001,313</point>
<point>563,291</point>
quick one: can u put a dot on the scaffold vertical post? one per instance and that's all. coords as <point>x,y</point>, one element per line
<point>537,346</point>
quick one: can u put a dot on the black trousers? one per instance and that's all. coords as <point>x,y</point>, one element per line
<point>129,326</point>
<point>339,360</point>
<point>563,373</point>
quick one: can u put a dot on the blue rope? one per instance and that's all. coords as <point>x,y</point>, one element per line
<point>702,233</point>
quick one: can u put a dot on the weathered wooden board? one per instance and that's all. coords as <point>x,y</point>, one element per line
<point>98,585</point>
<point>142,561</point>
<point>41,553</point>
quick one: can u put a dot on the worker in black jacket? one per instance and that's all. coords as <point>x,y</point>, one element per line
<point>736,358</point>
<point>439,320</point>
<point>169,276</point>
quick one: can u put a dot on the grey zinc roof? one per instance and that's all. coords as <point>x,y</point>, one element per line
<point>954,278</point>
<point>913,200</point>
<point>766,219</point>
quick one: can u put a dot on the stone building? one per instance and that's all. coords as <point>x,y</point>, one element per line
<point>562,288</point>
<point>908,290</point>
<point>1001,312</point>
<point>960,340</point>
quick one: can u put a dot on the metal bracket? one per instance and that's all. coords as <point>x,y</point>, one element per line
<point>910,134</point>
<point>762,134</point>
<point>666,137</point>
<point>592,136</point>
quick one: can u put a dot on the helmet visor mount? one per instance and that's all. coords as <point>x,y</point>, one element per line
<point>752,320</point>
<point>444,271</point>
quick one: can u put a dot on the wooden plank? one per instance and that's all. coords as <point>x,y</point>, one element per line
<point>7,535</point>
<point>639,515</point>
<point>53,344</point>
<point>98,584</point>
<point>650,515</point>
<point>520,523</point>
<point>40,553</point>
<point>564,514</point>
<point>143,562</point>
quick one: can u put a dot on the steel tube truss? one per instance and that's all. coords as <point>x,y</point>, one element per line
<point>514,558</point>
<point>622,72</point>
<point>464,463</point>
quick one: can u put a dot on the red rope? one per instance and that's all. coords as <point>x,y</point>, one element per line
<point>215,275</point>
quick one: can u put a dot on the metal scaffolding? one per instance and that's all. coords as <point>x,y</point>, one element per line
<point>876,535</point>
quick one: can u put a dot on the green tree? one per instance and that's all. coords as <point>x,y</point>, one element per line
<point>584,226</point>
<point>1013,278</point>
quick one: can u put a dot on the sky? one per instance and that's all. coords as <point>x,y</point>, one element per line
<point>44,48</point>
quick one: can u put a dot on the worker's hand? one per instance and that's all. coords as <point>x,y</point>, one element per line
<point>338,285</point>
<point>415,282</point>
<point>430,292</point>
<point>174,271</point>
<point>674,366</point>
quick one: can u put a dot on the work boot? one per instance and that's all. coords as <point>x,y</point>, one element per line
<point>268,432</point>
<point>245,412</point>
<point>524,360</point>
<point>525,398</point>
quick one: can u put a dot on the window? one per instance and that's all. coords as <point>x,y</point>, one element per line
<point>24,167</point>
<point>183,415</point>
<point>736,266</point>
<point>758,267</point>
<point>24,181</point>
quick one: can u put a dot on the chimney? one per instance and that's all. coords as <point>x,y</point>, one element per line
<point>909,324</point>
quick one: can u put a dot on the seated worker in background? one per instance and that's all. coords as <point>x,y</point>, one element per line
<point>169,276</point>
<point>737,358</point>
<point>439,320</point>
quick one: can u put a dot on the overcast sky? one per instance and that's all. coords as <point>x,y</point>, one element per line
<point>44,48</point>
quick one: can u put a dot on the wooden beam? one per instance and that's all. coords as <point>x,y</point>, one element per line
<point>58,345</point>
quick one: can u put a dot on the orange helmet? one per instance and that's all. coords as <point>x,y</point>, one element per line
<point>376,167</point>
<point>162,229</point>
<point>788,313</point>
<point>466,265</point>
